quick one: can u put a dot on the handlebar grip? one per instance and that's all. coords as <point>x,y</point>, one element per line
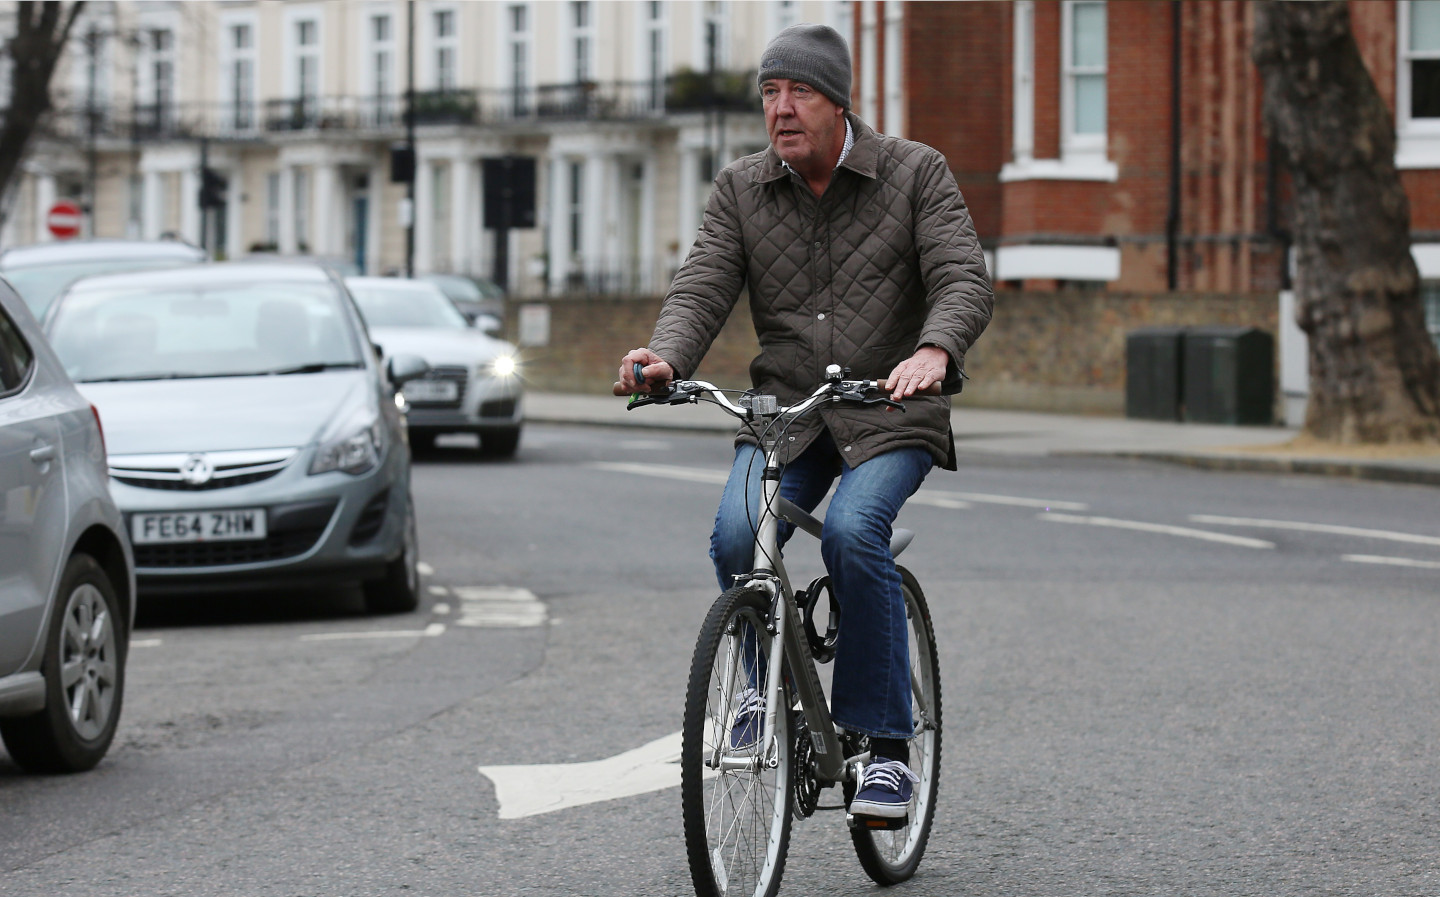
<point>932,390</point>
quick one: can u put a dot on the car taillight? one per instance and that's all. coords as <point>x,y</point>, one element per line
<point>101,427</point>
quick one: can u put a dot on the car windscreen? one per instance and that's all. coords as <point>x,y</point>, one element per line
<point>390,307</point>
<point>40,284</point>
<point>174,332</point>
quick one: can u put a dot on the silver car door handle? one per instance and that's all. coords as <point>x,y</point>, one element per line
<point>43,454</point>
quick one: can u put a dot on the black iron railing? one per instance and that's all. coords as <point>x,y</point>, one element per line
<point>684,92</point>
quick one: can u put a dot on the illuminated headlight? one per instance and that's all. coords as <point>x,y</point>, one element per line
<point>354,453</point>
<point>503,366</point>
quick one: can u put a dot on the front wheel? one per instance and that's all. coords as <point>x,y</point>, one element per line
<point>736,807</point>
<point>892,856</point>
<point>398,591</point>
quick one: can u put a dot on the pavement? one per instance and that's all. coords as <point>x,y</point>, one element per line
<point>1210,446</point>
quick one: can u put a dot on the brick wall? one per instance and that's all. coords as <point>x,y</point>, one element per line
<point>1044,351</point>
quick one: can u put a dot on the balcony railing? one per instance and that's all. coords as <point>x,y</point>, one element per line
<point>684,92</point>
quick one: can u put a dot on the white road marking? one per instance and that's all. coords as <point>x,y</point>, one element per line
<point>438,590</point>
<point>1411,538</point>
<point>440,608</point>
<point>499,607</point>
<point>1393,562</point>
<point>668,471</point>
<point>145,643</point>
<point>924,497</point>
<point>1161,528</point>
<point>430,631</point>
<point>933,497</point>
<point>425,569</point>
<point>544,788</point>
<point>1012,500</point>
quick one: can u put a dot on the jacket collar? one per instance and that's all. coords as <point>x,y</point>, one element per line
<point>863,158</point>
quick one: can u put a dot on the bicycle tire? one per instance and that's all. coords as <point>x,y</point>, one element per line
<point>892,856</point>
<point>736,822</point>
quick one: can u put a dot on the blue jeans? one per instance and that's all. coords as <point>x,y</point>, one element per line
<point>870,690</point>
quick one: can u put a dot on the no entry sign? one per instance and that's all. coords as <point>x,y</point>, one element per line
<point>63,219</point>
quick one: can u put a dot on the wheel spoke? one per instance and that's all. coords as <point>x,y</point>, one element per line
<point>72,670</point>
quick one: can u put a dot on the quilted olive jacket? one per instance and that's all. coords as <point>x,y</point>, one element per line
<point>884,262</point>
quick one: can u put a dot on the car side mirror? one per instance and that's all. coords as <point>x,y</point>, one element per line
<point>404,368</point>
<point>487,324</point>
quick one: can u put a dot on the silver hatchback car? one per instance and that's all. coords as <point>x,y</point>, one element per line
<point>255,437</point>
<point>67,576</point>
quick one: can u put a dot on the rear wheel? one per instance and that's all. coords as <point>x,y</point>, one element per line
<point>398,591</point>
<point>736,807</point>
<point>892,856</point>
<point>84,670</point>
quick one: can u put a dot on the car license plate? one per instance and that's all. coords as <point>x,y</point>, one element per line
<point>198,526</point>
<point>432,391</point>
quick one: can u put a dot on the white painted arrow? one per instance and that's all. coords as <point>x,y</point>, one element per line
<point>547,787</point>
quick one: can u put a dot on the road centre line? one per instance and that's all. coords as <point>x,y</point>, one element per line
<point>431,631</point>
<point>1161,528</point>
<point>529,790</point>
<point>1393,562</point>
<point>145,643</point>
<point>1411,538</point>
<point>934,497</point>
<point>1011,500</point>
<point>668,471</point>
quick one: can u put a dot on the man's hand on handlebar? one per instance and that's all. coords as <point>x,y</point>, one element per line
<point>655,370</point>
<point>918,372</point>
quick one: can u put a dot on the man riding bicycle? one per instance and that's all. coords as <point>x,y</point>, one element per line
<point>856,249</point>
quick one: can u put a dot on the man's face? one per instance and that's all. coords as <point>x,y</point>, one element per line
<point>801,122</point>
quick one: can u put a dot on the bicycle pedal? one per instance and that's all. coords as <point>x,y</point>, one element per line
<point>876,823</point>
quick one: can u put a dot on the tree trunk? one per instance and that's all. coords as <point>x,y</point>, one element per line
<point>40,35</point>
<point>1374,370</point>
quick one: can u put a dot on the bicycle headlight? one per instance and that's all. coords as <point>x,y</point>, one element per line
<point>355,451</point>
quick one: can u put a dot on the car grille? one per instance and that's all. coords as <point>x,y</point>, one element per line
<point>184,472</point>
<point>457,375</point>
<point>293,530</point>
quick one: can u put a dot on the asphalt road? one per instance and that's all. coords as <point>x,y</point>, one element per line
<point>1157,680</point>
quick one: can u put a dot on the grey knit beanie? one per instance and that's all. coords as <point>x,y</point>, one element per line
<point>815,54</point>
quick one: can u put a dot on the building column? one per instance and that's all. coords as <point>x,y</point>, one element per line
<point>234,218</point>
<point>598,226</point>
<point>326,223</point>
<point>287,211</point>
<point>152,208</point>
<point>689,211</point>
<point>190,206</point>
<point>44,199</point>
<point>379,177</point>
<point>649,274</point>
<point>461,214</point>
<point>424,213</point>
<point>558,249</point>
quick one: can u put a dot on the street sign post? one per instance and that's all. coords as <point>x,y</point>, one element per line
<point>64,220</point>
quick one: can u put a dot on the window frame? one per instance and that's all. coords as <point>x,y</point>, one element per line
<point>1417,141</point>
<point>443,46</point>
<point>581,43</point>
<point>231,58</point>
<point>1073,143</point>
<point>28,374</point>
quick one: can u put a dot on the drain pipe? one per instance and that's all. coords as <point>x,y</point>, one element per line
<point>1172,218</point>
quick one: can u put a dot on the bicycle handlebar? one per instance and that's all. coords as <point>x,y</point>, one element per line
<point>689,391</point>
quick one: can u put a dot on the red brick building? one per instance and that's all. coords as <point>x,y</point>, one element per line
<point>1120,145</point>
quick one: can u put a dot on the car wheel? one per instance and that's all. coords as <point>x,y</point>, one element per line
<point>500,443</point>
<point>398,592</point>
<point>84,670</point>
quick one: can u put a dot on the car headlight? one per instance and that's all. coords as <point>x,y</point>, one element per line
<point>355,452</point>
<point>503,366</point>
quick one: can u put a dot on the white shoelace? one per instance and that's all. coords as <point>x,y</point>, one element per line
<point>887,774</point>
<point>751,701</point>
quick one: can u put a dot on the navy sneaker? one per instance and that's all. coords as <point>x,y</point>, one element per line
<point>884,790</point>
<point>749,720</point>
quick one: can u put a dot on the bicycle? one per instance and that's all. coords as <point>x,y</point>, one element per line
<point>739,792</point>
